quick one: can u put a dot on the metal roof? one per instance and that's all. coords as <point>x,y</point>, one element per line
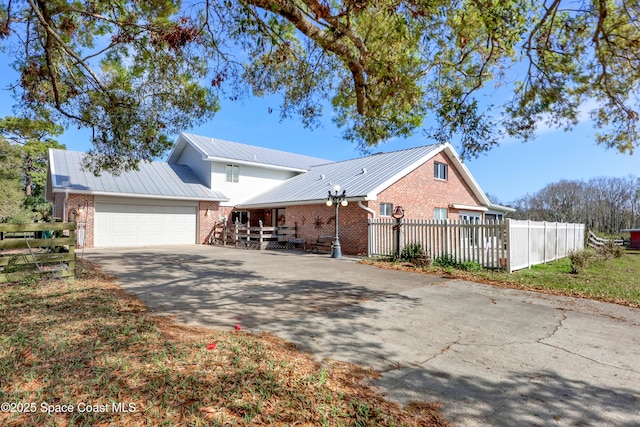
<point>362,178</point>
<point>218,149</point>
<point>155,179</point>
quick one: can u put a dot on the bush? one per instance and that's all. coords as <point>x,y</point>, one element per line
<point>411,251</point>
<point>610,250</point>
<point>21,217</point>
<point>470,266</point>
<point>581,259</point>
<point>449,261</point>
<point>446,260</point>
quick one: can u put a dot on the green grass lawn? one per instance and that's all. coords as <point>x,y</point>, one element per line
<point>86,353</point>
<point>615,280</point>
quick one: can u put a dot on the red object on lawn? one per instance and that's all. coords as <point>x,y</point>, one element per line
<point>211,346</point>
<point>635,237</point>
<point>238,327</point>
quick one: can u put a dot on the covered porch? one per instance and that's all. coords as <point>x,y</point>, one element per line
<point>258,229</point>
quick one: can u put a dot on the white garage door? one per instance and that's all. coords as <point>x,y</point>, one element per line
<point>133,224</point>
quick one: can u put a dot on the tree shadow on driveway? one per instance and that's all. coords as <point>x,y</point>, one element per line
<point>492,356</point>
<point>210,292</point>
<point>523,398</point>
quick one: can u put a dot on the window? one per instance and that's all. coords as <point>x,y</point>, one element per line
<point>241,217</point>
<point>386,209</point>
<point>281,217</point>
<point>440,170</point>
<point>440,214</point>
<point>470,217</point>
<point>233,172</point>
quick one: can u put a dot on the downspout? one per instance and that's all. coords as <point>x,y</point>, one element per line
<point>368,209</point>
<point>64,206</point>
<point>371,235</point>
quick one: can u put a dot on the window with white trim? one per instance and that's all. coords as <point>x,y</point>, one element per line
<point>440,214</point>
<point>440,170</point>
<point>233,173</point>
<point>470,217</point>
<point>386,209</point>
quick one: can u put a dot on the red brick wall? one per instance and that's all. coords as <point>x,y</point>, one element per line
<point>207,220</point>
<point>419,192</point>
<point>86,217</point>
<point>318,220</point>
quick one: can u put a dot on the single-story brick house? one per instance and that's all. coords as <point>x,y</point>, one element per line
<point>207,181</point>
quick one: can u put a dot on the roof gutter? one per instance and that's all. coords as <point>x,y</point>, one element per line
<point>292,203</point>
<point>468,207</point>
<point>136,195</point>
<point>501,208</point>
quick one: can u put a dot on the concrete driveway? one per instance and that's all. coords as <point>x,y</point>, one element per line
<point>492,356</point>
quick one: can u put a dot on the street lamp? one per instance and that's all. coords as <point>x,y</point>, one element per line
<point>398,214</point>
<point>337,199</point>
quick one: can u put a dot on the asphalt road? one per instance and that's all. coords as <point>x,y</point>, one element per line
<point>492,356</point>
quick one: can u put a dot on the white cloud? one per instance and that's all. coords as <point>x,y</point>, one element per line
<point>542,126</point>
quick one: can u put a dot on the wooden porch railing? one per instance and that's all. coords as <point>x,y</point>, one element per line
<point>260,237</point>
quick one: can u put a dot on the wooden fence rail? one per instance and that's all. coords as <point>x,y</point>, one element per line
<point>16,260</point>
<point>598,242</point>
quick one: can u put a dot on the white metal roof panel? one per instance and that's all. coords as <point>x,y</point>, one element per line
<point>218,148</point>
<point>359,177</point>
<point>158,179</point>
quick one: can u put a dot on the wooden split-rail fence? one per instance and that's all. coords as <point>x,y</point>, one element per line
<point>596,242</point>
<point>37,250</point>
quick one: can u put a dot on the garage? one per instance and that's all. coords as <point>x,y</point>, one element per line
<point>144,222</point>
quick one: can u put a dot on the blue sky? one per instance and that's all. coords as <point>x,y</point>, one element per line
<point>508,172</point>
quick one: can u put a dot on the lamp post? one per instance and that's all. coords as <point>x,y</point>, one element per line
<point>398,214</point>
<point>337,199</point>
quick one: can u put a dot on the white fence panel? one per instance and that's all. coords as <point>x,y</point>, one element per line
<point>535,242</point>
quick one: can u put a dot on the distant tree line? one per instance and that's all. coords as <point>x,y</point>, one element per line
<point>604,204</point>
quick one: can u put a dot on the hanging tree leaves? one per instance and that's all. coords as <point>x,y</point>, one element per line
<point>138,72</point>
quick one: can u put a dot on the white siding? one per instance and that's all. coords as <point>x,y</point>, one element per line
<point>253,180</point>
<point>192,158</point>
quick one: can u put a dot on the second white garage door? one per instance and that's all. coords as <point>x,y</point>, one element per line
<point>140,224</point>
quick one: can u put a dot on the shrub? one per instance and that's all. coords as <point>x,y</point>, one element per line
<point>610,250</point>
<point>410,251</point>
<point>446,260</point>
<point>470,266</point>
<point>21,217</point>
<point>581,259</point>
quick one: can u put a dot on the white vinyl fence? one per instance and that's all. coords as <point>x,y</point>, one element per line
<point>535,242</point>
<point>511,244</point>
